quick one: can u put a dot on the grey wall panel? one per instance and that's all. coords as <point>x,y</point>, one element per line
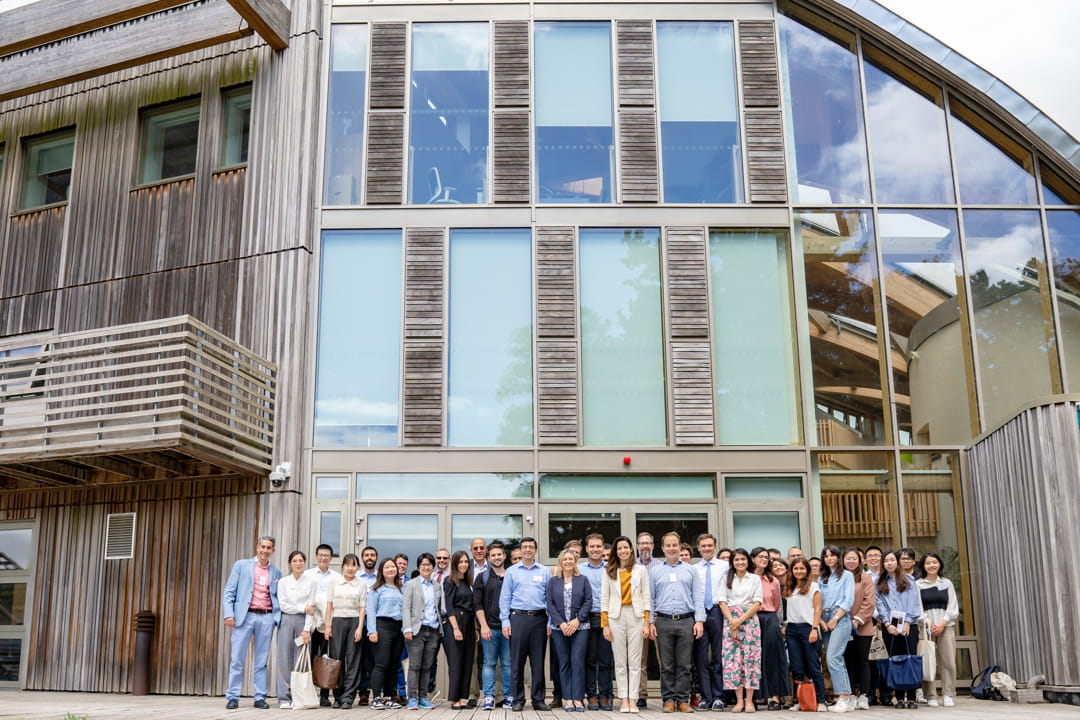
<point>557,336</point>
<point>388,43</point>
<point>511,167</point>
<point>425,337</point>
<point>511,76</point>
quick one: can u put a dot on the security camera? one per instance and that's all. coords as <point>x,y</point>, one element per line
<point>280,475</point>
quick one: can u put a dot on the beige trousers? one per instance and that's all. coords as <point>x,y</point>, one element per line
<point>626,646</point>
<point>946,665</point>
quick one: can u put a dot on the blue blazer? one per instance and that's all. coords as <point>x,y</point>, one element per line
<point>236,598</point>
<point>580,600</point>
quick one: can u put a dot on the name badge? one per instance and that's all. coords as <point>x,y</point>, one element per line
<point>672,578</point>
<point>262,581</point>
<point>538,578</point>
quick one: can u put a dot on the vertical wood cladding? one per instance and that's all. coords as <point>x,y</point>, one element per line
<point>557,344</point>
<point>425,337</point>
<point>388,45</point>
<point>638,156</point>
<point>690,351</point>
<point>31,252</point>
<point>765,156</point>
<point>634,42</point>
<point>385,180</point>
<point>757,55</point>
<point>510,157</point>
<point>511,63</point>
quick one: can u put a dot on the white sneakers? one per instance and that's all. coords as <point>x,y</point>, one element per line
<point>842,706</point>
<point>821,708</point>
<point>932,702</point>
<point>862,703</point>
<point>947,701</point>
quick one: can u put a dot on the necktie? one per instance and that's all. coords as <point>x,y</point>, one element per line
<point>708,586</point>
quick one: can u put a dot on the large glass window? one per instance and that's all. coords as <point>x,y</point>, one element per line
<point>357,381</point>
<point>448,143</point>
<point>507,529</point>
<point>907,134</point>
<point>1064,228</point>
<point>554,486</point>
<point>409,534</point>
<point>753,339</point>
<point>622,352</point>
<point>47,169</point>
<point>1014,333</point>
<point>346,98</point>
<point>842,303</point>
<point>16,576</point>
<point>991,167</point>
<point>170,141</point>
<point>1056,191</point>
<point>699,127</point>
<point>490,369</point>
<point>236,125</point>
<point>920,252</point>
<point>457,486</point>
<point>821,76</point>
<point>575,152</point>
<point>858,499</point>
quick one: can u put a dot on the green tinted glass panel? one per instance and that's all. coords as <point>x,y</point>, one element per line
<point>1064,229</point>
<point>237,125</point>
<point>745,488</point>
<point>507,529</point>
<point>626,487</point>
<point>331,488</point>
<point>345,101</point>
<point>424,486</point>
<point>765,529</point>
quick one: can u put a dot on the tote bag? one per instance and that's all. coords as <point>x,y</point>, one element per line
<point>326,672</point>
<point>928,653</point>
<point>877,647</point>
<point>904,672</point>
<point>304,694</point>
<point>806,696</point>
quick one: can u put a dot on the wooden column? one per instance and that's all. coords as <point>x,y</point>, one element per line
<point>557,343</point>
<point>762,120</point>
<point>425,337</point>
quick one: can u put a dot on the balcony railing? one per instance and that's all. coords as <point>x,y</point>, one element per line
<point>163,399</point>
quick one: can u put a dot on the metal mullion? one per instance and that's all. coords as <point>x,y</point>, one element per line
<point>1055,320</point>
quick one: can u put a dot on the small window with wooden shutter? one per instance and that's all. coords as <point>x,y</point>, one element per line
<point>120,536</point>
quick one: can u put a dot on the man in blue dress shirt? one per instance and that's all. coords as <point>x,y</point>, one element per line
<point>598,654</point>
<point>523,611</point>
<point>678,618</point>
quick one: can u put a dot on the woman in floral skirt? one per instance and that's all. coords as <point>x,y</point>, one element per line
<point>740,600</point>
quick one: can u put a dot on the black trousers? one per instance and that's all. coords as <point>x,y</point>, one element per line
<point>599,661</point>
<point>709,657</point>
<point>367,662</point>
<point>774,664</point>
<point>858,664</point>
<point>387,656</point>
<point>459,656</point>
<point>903,645</point>
<point>319,645</point>
<point>528,641</point>
<point>345,649</point>
<point>675,643</point>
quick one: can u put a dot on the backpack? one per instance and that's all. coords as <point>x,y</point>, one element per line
<point>981,686</point>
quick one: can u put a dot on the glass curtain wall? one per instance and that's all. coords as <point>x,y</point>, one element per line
<point>490,368</point>
<point>575,148</point>
<point>345,102</point>
<point>699,126</point>
<point>1064,229</point>
<point>858,499</point>
<point>992,168</point>
<point>357,386</point>
<point>753,339</point>
<point>622,348</point>
<point>449,113</point>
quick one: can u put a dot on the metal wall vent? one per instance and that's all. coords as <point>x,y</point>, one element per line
<point>120,536</point>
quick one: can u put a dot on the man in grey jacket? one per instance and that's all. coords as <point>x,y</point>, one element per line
<point>422,627</point>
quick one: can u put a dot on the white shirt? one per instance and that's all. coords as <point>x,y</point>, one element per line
<point>719,576</point>
<point>743,591</point>
<point>323,582</point>
<point>295,595</point>
<point>349,597</point>
<point>800,608</point>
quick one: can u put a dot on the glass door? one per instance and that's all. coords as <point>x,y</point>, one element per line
<point>415,529</point>
<point>563,522</point>
<point>16,573</point>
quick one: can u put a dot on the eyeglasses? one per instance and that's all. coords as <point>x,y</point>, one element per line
<point>477,547</point>
<point>442,557</point>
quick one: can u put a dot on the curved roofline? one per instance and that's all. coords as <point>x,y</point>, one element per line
<point>965,72</point>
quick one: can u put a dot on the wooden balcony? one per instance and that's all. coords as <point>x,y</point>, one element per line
<point>870,515</point>
<point>168,399</point>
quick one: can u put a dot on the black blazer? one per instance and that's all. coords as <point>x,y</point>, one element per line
<point>580,600</point>
<point>458,597</point>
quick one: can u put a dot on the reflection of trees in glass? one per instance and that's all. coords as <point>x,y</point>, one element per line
<point>522,484</point>
<point>514,391</point>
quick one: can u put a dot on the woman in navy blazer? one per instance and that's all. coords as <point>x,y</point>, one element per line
<point>569,601</point>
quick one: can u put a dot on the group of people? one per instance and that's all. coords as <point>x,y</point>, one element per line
<point>729,631</point>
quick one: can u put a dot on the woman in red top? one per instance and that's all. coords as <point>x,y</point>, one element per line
<point>774,665</point>
<point>862,614</point>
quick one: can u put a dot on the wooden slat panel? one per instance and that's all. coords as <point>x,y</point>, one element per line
<point>635,63</point>
<point>510,157</point>
<point>686,270</point>
<point>27,313</point>
<point>31,252</point>
<point>160,225</point>
<point>386,146</point>
<point>388,66</point>
<point>640,180</point>
<point>511,63</point>
<point>425,337</point>
<point>757,54</point>
<point>692,392</point>
<point>765,156</point>
<point>557,336</point>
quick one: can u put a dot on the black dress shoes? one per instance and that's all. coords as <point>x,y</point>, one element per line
<point>541,706</point>
<point>232,705</point>
<point>517,707</point>
<point>261,705</point>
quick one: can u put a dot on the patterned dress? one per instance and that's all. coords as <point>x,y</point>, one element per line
<point>742,656</point>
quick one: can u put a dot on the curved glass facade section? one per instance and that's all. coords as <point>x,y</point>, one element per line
<point>753,339</point>
<point>575,147</point>
<point>490,397</point>
<point>357,383</point>
<point>908,138</point>
<point>821,80</point>
<point>449,111</point>
<point>992,169</point>
<point>622,347</point>
<point>1063,227</point>
<point>346,98</point>
<point>1014,332</point>
<point>699,111</point>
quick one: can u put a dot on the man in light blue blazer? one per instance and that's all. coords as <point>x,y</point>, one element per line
<point>249,604</point>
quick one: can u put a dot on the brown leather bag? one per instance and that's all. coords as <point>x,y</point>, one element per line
<point>326,672</point>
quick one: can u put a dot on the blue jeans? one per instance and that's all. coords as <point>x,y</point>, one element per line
<point>835,645</point>
<point>496,650</point>
<point>261,627</point>
<point>571,655</point>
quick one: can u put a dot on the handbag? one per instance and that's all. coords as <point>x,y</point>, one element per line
<point>806,696</point>
<point>877,647</point>
<point>302,687</point>
<point>928,652</point>
<point>904,672</point>
<point>326,672</point>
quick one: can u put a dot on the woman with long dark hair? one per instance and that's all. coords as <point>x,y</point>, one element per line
<point>384,633</point>
<point>898,609</point>
<point>625,604</point>
<point>856,656</point>
<point>774,664</point>
<point>837,596</point>
<point>940,608</point>
<point>740,600</point>
<point>459,634</point>
<point>801,632</point>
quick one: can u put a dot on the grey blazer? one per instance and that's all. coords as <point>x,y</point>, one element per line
<point>412,607</point>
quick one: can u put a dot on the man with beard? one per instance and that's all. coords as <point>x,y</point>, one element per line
<point>369,557</point>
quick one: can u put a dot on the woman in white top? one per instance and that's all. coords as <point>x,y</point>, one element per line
<point>740,600</point>
<point>296,598</point>
<point>940,609</point>
<point>801,632</point>
<point>625,603</point>
<point>345,611</point>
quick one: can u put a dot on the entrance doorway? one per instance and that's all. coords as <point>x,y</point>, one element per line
<point>416,529</point>
<point>563,522</point>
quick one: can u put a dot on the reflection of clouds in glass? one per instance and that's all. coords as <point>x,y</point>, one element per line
<point>1004,258</point>
<point>450,46</point>
<point>15,544</point>
<point>987,175</point>
<point>348,48</point>
<point>353,411</point>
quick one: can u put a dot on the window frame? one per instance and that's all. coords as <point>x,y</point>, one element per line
<point>145,115</point>
<point>27,142</point>
<point>228,94</point>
